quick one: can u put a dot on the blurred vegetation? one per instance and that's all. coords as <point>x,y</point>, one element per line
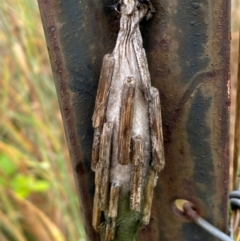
<point>234,61</point>
<point>38,200</point>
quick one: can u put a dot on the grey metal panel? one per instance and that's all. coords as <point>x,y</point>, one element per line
<point>187,45</point>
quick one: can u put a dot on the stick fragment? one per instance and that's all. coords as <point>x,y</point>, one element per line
<point>96,219</point>
<point>95,148</point>
<point>114,198</point>
<point>102,92</point>
<point>102,231</point>
<point>136,174</point>
<point>156,131</point>
<point>125,123</point>
<point>112,212</point>
<point>104,160</point>
<point>143,67</point>
<point>110,230</point>
<point>151,182</point>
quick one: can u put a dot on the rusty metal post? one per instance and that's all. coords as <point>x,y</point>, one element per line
<point>187,45</point>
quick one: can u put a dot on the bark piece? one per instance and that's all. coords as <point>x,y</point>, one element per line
<point>102,231</point>
<point>136,174</point>
<point>143,67</point>
<point>114,198</point>
<point>112,212</point>
<point>104,163</point>
<point>125,123</point>
<point>151,182</point>
<point>158,161</point>
<point>96,219</point>
<point>110,230</point>
<point>95,148</point>
<point>103,90</point>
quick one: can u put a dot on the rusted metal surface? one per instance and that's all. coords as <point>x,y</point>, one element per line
<point>188,52</point>
<point>187,45</point>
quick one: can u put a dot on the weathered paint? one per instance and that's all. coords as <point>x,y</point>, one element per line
<point>187,45</point>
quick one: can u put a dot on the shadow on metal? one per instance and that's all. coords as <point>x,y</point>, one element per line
<point>187,45</point>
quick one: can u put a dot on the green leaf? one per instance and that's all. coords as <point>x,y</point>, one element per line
<point>20,185</point>
<point>6,165</point>
<point>25,185</point>
<point>40,186</point>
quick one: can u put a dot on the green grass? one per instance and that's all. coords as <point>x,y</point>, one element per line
<point>37,193</point>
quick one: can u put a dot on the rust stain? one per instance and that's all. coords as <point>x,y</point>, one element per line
<point>79,169</point>
<point>190,212</point>
<point>173,118</point>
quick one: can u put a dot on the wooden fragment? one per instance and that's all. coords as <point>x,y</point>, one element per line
<point>102,231</point>
<point>103,90</point>
<point>151,182</point>
<point>95,148</point>
<point>110,230</point>
<point>96,219</point>
<point>96,201</point>
<point>112,212</point>
<point>125,122</point>
<point>143,68</point>
<point>158,161</point>
<point>104,160</point>
<point>113,203</point>
<point>136,174</point>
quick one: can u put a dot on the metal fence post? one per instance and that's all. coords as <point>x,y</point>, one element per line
<point>187,45</point>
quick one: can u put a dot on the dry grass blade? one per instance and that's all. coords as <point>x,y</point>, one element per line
<point>235,111</point>
<point>39,218</point>
<point>6,222</point>
<point>3,237</point>
<point>236,131</point>
<point>238,235</point>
